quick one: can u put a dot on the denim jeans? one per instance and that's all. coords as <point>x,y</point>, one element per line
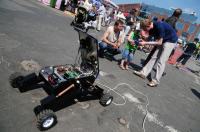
<point>108,48</point>
<point>128,55</point>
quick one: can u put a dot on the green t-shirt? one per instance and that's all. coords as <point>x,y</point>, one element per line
<point>198,45</point>
<point>129,46</point>
<point>198,48</point>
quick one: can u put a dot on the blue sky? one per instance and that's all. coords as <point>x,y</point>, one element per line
<point>191,5</point>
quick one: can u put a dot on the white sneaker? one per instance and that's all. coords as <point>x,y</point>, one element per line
<point>139,73</point>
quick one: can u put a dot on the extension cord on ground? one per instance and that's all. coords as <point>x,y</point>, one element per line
<point>137,91</point>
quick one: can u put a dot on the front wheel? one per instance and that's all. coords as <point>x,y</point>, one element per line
<point>15,79</point>
<point>46,119</point>
<point>106,99</point>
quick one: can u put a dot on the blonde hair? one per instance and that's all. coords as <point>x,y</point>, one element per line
<point>145,23</point>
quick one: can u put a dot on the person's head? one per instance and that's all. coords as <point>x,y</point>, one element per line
<point>134,12</point>
<point>119,25</point>
<point>196,40</point>
<point>102,4</point>
<point>177,13</point>
<point>180,43</point>
<point>155,19</point>
<point>144,35</point>
<point>146,24</point>
<point>93,7</point>
<point>163,19</point>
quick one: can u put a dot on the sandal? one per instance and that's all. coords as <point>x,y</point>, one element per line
<point>152,84</point>
<point>126,67</point>
<point>122,67</point>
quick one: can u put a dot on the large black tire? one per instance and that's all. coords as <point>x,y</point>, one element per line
<point>106,99</point>
<point>15,79</point>
<point>46,119</point>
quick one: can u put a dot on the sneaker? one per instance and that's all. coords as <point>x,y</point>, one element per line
<point>178,66</point>
<point>138,73</point>
<point>153,84</point>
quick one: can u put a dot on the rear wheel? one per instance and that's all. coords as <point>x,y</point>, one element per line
<point>46,119</point>
<point>106,99</point>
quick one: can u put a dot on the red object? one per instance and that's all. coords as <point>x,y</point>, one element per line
<point>126,14</point>
<point>51,80</point>
<point>177,53</point>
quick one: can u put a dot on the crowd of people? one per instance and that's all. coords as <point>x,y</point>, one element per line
<point>99,14</point>
<point>161,35</point>
<point>158,36</point>
<point>130,33</point>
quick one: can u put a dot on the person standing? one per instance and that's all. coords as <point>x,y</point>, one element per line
<point>165,38</point>
<point>189,50</point>
<point>130,20</point>
<point>91,20</point>
<point>129,50</point>
<point>174,18</point>
<point>170,20</point>
<point>101,12</point>
<point>87,5</point>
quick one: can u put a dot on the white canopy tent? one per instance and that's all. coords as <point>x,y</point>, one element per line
<point>111,3</point>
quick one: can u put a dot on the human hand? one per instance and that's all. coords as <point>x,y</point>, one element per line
<point>112,44</point>
<point>142,43</point>
<point>116,46</point>
<point>133,43</point>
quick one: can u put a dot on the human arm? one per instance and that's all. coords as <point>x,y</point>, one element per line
<point>130,38</point>
<point>118,42</point>
<point>157,42</point>
<point>100,9</point>
<point>158,33</point>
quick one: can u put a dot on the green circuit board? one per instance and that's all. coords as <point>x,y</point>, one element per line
<point>71,74</point>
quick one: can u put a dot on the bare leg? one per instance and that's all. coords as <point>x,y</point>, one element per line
<point>122,64</point>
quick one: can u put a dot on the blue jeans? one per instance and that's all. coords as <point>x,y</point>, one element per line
<point>128,55</point>
<point>108,48</point>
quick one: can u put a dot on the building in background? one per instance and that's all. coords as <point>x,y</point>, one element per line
<point>187,27</point>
